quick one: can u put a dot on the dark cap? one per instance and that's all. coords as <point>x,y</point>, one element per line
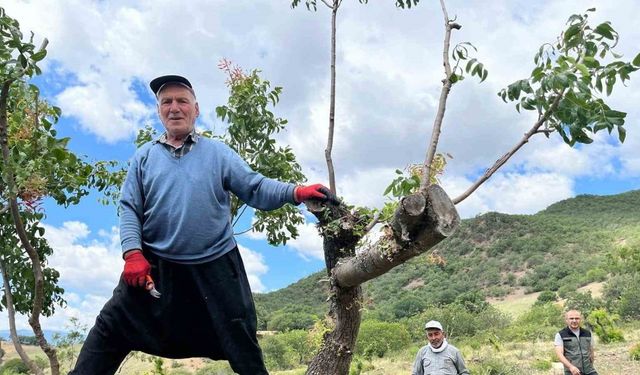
<point>158,83</point>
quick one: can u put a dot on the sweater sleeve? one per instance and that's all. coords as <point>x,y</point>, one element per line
<point>253,188</point>
<point>131,209</point>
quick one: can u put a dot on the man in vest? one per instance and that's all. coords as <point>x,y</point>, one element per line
<point>574,346</point>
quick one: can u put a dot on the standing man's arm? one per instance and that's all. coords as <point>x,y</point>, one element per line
<point>417,364</point>
<point>592,353</point>
<point>136,267</point>
<point>460,365</point>
<point>560,353</point>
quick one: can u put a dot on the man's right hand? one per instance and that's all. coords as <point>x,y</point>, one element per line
<point>574,370</point>
<point>136,268</point>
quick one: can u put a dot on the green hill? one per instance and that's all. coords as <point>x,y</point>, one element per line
<point>567,245</point>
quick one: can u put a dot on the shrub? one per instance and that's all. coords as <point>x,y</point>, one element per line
<point>583,302</point>
<point>14,366</point>
<point>545,297</point>
<point>634,352</point>
<point>458,321</point>
<point>408,306</point>
<point>604,325</point>
<point>215,368</point>
<point>542,365</point>
<point>301,344</point>
<point>287,321</point>
<point>277,355</point>
<point>540,322</point>
<point>494,367</point>
<point>377,338</point>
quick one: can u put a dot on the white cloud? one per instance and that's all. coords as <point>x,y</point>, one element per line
<point>89,270</point>
<point>309,243</point>
<point>255,266</point>
<point>511,193</point>
<point>92,267</point>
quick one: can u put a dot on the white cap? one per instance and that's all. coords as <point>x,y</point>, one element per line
<point>433,324</point>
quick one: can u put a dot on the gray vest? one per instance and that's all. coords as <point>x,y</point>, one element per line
<point>577,350</point>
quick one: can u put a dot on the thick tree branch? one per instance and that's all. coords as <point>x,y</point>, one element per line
<point>500,162</point>
<point>442,103</point>
<point>11,313</point>
<point>421,222</point>
<point>38,294</point>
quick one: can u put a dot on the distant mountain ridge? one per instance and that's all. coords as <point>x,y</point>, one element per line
<point>5,334</point>
<point>560,248</point>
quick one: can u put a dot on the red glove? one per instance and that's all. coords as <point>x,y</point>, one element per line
<point>317,192</point>
<point>136,269</point>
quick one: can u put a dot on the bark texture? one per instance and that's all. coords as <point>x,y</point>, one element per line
<point>420,222</point>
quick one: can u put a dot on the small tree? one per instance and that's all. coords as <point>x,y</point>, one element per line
<point>35,164</point>
<point>564,89</point>
<point>604,325</point>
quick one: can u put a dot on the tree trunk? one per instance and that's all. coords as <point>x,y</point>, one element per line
<point>11,313</point>
<point>334,357</point>
<point>420,222</point>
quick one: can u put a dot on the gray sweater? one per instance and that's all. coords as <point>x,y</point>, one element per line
<point>178,208</point>
<point>447,362</point>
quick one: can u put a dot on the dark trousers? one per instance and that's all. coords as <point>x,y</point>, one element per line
<point>206,310</point>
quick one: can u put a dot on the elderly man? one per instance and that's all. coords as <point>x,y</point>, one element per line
<point>439,357</point>
<point>574,346</point>
<point>177,243</point>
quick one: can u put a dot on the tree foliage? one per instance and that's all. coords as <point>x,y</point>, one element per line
<point>574,70</point>
<point>35,164</point>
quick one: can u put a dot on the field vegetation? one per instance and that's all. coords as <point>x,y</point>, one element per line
<point>499,286</point>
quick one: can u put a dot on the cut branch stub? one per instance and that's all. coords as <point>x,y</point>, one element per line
<point>408,217</point>
<point>412,233</point>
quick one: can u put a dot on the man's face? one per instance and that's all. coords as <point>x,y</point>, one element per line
<point>178,110</point>
<point>573,319</point>
<point>435,337</point>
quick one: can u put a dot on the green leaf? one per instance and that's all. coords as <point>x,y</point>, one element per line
<point>636,61</point>
<point>622,134</point>
<point>616,114</point>
<point>599,84</point>
<point>591,62</point>
<point>571,32</point>
<point>605,30</point>
<point>472,62</point>
<point>39,55</point>
<point>583,70</point>
<point>485,73</point>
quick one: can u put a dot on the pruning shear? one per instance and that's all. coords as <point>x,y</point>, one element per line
<point>151,287</point>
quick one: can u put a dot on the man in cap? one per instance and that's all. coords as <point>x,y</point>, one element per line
<point>177,242</point>
<point>574,346</point>
<point>438,357</point>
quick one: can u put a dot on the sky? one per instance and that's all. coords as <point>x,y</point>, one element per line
<point>102,54</point>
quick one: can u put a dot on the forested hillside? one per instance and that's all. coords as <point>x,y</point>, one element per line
<point>570,244</point>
